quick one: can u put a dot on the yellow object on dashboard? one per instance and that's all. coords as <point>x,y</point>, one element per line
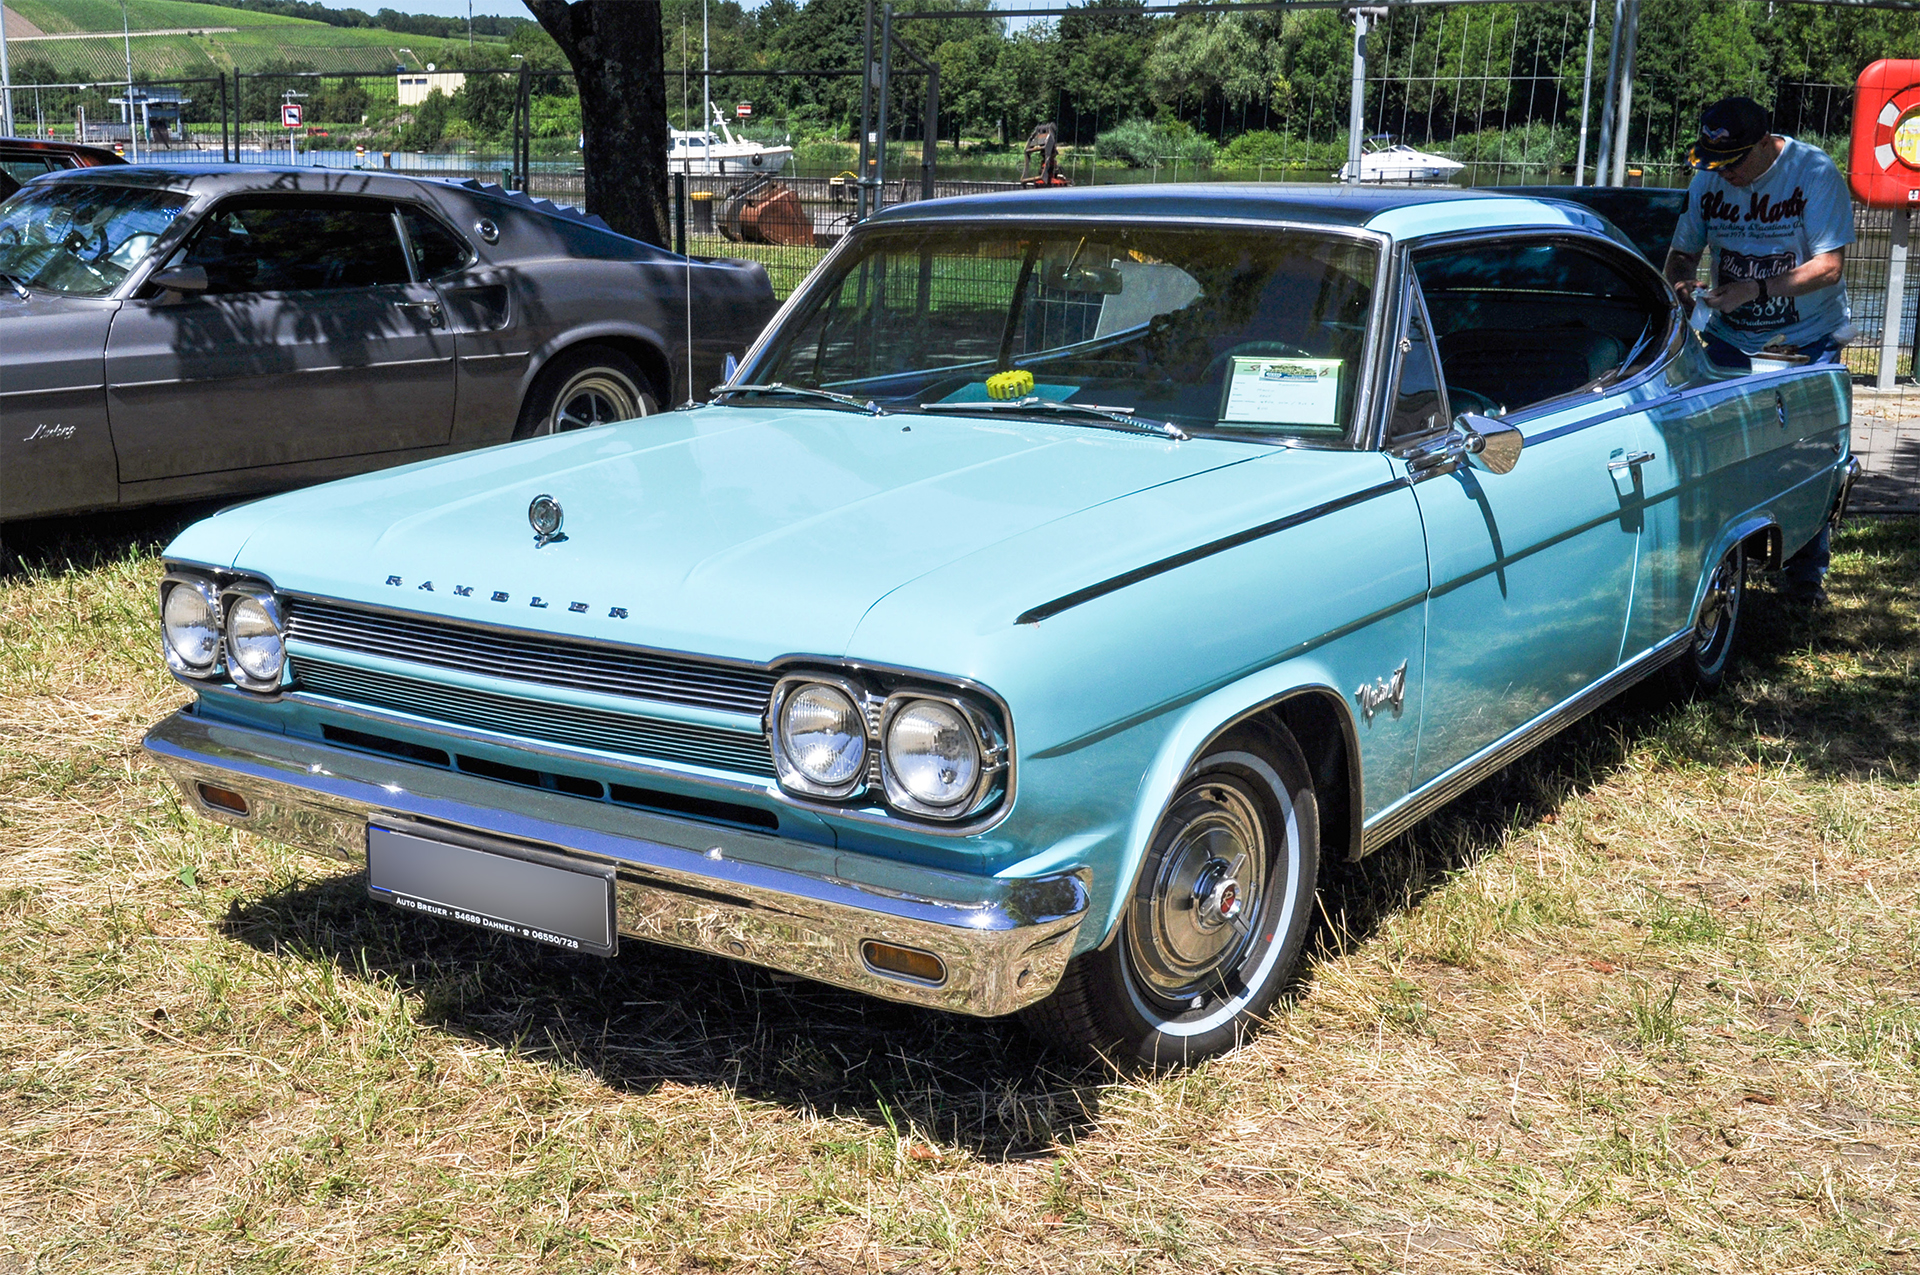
<point>1015,384</point>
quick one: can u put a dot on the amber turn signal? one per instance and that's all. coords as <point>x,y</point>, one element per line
<point>907,962</point>
<point>223,799</point>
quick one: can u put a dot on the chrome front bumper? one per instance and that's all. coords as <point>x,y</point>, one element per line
<point>788,905</point>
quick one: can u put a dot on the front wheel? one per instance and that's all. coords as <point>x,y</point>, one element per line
<point>1213,930</point>
<point>593,385</point>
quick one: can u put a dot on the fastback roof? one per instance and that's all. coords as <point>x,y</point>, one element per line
<point>1334,205</point>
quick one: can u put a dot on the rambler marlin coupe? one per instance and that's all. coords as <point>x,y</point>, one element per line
<point>1059,582</point>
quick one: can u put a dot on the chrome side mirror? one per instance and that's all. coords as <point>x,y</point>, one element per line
<point>1492,445</point>
<point>180,279</point>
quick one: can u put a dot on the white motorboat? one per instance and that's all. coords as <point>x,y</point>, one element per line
<point>1385,161</point>
<point>707,151</point>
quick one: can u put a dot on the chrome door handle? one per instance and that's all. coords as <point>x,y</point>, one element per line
<point>435,316</point>
<point>1628,461</point>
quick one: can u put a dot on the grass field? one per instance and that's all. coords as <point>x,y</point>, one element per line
<point>1645,1001</point>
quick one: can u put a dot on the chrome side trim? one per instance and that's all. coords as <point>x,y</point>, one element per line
<point>1417,805</point>
<point>755,897</point>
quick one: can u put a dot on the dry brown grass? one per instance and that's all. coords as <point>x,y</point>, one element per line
<point>1645,1001</point>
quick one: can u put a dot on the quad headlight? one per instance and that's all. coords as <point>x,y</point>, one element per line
<point>190,626</point>
<point>931,755</point>
<point>256,641</point>
<point>939,755</point>
<point>207,631</point>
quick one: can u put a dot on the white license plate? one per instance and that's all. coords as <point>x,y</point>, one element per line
<point>525,893</point>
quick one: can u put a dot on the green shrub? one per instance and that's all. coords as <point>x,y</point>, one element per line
<point>1139,144</point>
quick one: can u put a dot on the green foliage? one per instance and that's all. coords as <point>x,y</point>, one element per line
<point>429,123</point>
<point>1139,144</point>
<point>487,102</point>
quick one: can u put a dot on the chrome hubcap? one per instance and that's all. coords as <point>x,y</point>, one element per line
<point>595,397</point>
<point>1717,608</point>
<point>1191,920</point>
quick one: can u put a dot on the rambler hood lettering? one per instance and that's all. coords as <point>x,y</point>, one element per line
<point>736,532</point>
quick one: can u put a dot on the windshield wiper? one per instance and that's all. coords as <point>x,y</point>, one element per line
<point>1122,416</point>
<point>866,405</point>
<point>19,288</point>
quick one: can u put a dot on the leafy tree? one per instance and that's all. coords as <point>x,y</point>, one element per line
<point>488,100</point>
<point>429,123</point>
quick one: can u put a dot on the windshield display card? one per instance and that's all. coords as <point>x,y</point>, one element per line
<point>1283,391</point>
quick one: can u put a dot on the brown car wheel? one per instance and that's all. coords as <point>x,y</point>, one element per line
<point>1212,932</point>
<point>593,385</point>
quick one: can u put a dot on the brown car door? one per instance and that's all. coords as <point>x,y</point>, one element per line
<point>314,340</point>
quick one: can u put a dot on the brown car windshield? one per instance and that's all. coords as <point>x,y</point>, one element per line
<point>81,239</point>
<point>1217,330</point>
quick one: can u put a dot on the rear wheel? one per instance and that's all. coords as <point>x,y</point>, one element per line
<point>1213,930</point>
<point>592,385</point>
<point>1702,667</point>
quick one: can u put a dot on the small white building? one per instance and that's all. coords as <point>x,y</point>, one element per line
<point>414,86</point>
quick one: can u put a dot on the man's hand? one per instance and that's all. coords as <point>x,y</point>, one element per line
<point>1731,296</point>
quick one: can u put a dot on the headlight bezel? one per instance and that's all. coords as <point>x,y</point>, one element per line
<point>792,778</point>
<point>988,752</point>
<point>877,795</point>
<point>209,592</point>
<point>262,595</point>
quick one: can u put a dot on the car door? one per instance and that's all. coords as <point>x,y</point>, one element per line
<point>1531,572</point>
<point>314,340</point>
<point>55,451</point>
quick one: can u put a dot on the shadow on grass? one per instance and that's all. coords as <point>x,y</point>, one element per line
<point>52,547</point>
<point>656,1015</point>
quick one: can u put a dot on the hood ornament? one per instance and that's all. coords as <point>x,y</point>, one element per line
<point>545,516</point>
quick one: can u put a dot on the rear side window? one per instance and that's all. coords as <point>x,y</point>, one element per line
<point>311,245</point>
<point>1517,325</point>
<point>436,250</point>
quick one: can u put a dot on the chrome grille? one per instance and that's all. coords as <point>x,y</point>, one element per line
<point>539,719</point>
<point>545,661</point>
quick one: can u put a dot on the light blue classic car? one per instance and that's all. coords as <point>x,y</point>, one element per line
<point>1060,580</point>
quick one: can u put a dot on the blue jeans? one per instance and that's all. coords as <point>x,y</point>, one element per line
<point>1806,570</point>
<point>1726,354</point>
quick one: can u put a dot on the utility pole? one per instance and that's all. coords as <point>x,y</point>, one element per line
<point>706,84</point>
<point>1357,105</point>
<point>1603,155</point>
<point>6,80</point>
<point>126,36</point>
<point>1626,93</point>
<point>469,26</point>
<point>1586,96</point>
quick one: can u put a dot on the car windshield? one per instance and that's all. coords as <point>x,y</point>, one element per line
<point>79,238</point>
<point>1208,329</point>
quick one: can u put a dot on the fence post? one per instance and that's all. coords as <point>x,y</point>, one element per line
<point>1896,302</point>
<point>523,129</point>
<point>225,156</point>
<point>680,213</point>
<point>886,95</point>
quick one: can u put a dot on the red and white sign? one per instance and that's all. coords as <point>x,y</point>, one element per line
<point>743,110</point>
<point>290,115</point>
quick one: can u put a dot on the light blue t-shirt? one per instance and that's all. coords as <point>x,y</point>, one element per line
<point>1797,210</point>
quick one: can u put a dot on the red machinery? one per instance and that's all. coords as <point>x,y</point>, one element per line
<point>1884,162</point>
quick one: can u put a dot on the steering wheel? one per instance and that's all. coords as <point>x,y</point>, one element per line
<point>1479,404</point>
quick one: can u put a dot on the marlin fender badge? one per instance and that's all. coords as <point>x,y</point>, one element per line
<point>1384,691</point>
<point>545,516</point>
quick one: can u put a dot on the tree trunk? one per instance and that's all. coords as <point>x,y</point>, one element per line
<point>614,47</point>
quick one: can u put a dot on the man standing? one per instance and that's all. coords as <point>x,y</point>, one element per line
<point>1777,215</point>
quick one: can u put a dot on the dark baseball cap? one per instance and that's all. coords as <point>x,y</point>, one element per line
<point>1728,130</point>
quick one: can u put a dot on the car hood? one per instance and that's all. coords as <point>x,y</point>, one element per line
<point>746,533</point>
